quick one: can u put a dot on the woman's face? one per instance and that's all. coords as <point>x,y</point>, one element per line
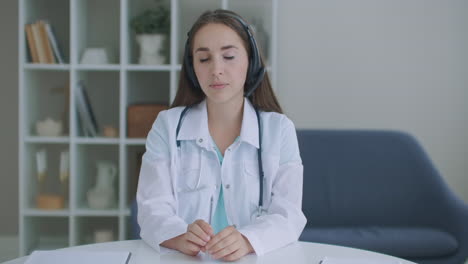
<point>220,62</point>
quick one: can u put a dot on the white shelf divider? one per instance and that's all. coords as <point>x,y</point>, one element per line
<point>73,234</point>
<point>21,131</point>
<point>124,57</point>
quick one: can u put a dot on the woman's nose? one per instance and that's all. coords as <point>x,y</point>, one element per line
<point>217,67</point>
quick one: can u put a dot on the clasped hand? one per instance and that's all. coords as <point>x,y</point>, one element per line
<point>229,244</point>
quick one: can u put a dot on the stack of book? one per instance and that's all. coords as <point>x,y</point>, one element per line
<point>42,43</point>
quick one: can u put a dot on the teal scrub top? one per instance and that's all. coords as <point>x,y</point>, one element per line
<point>220,221</point>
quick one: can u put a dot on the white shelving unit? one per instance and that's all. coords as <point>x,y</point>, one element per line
<point>80,24</point>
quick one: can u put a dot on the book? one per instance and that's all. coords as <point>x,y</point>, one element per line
<point>31,44</point>
<point>88,122</point>
<point>78,257</point>
<point>45,42</point>
<point>39,43</point>
<point>53,42</point>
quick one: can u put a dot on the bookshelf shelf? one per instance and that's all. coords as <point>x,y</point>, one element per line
<point>91,212</point>
<point>98,141</point>
<point>36,212</point>
<point>51,140</point>
<point>149,68</point>
<point>50,91</point>
<point>135,141</point>
<point>52,67</point>
<point>108,67</point>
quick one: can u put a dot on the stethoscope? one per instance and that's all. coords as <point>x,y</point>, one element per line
<point>260,210</point>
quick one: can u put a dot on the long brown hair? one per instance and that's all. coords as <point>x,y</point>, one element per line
<point>263,98</point>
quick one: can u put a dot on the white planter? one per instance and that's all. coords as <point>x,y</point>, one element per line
<point>150,47</point>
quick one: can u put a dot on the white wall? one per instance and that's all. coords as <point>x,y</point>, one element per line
<point>381,64</point>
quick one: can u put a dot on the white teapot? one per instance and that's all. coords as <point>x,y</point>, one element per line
<point>102,195</point>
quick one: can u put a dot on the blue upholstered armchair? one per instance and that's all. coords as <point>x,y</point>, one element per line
<point>378,190</point>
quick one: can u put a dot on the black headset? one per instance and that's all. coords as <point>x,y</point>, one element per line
<point>255,72</point>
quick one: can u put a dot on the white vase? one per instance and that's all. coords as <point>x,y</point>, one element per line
<point>102,195</point>
<point>150,47</point>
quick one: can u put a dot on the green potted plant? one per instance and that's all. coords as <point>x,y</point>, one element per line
<point>152,28</point>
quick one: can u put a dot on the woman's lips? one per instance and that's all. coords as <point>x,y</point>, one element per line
<point>218,85</point>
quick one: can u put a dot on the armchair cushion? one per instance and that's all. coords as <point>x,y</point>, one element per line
<point>406,242</point>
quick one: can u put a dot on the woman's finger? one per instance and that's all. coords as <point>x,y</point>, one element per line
<point>227,250</point>
<point>198,231</point>
<point>195,239</point>
<point>220,236</point>
<point>191,248</point>
<point>227,241</point>
<point>205,227</point>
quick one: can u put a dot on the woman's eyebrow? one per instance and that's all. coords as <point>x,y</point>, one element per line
<point>222,48</point>
<point>228,47</point>
<point>202,49</point>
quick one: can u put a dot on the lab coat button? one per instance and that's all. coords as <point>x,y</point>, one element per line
<point>227,186</point>
<point>200,140</point>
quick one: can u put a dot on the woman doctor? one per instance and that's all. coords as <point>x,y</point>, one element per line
<point>222,172</point>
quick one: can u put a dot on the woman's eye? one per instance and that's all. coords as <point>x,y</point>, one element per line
<point>229,57</point>
<point>203,60</point>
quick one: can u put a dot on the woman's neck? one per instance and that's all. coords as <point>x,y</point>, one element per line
<point>225,122</point>
<point>226,115</point>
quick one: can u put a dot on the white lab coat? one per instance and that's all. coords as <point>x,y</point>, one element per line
<point>178,187</point>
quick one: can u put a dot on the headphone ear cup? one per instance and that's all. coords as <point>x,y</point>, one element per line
<point>255,71</point>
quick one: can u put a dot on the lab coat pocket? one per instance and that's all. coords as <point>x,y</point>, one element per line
<point>190,179</point>
<point>191,169</point>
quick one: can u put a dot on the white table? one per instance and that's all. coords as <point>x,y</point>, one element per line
<point>297,253</point>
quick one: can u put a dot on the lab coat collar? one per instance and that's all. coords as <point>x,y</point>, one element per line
<point>195,125</point>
